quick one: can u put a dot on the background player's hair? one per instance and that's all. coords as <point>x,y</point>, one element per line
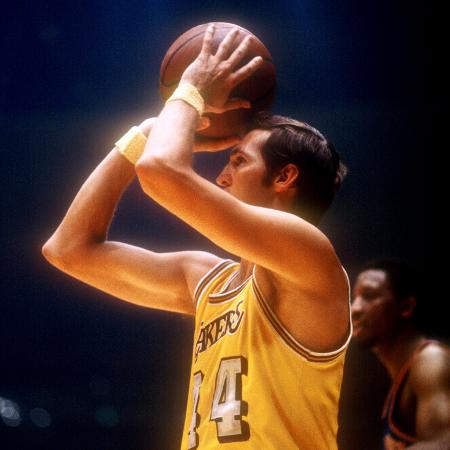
<point>402,278</point>
<point>321,170</point>
<point>405,281</point>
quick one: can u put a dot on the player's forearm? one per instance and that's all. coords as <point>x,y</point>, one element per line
<point>87,220</point>
<point>172,138</point>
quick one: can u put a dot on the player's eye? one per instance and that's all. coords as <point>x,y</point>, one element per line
<point>369,294</point>
<point>238,160</point>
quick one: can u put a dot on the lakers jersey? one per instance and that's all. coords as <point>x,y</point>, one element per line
<point>253,386</point>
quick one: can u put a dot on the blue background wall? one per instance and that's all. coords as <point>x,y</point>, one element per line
<point>87,371</point>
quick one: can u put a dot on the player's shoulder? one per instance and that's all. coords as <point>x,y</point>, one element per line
<point>435,352</point>
<point>431,366</point>
<point>196,263</point>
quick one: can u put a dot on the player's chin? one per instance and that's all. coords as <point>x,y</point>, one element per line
<point>358,332</point>
<point>362,337</point>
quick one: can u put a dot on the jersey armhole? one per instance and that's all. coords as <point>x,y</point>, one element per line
<point>207,278</point>
<point>291,341</point>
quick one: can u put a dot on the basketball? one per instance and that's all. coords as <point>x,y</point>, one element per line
<point>258,88</point>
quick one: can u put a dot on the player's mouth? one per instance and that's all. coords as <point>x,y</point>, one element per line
<point>358,327</point>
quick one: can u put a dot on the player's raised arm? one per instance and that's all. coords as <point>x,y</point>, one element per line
<point>80,247</point>
<point>297,251</point>
<point>279,180</point>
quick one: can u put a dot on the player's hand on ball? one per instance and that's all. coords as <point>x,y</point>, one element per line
<point>147,125</point>
<point>215,75</point>
<point>204,144</point>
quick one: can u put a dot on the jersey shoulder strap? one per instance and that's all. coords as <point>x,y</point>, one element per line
<point>213,278</point>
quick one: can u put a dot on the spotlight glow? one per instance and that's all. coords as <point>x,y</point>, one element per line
<point>40,417</point>
<point>10,412</point>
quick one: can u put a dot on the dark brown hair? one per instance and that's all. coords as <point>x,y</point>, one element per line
<point>321,170</point>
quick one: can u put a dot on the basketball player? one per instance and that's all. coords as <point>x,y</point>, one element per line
<point>417,410</point>
<point>271,330</point>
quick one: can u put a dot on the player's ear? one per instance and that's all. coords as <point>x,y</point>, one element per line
<point>286,178</point>
<point>408,307</point>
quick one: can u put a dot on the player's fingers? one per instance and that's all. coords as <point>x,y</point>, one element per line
<point>203,144</point>
<point>203,123</point>
<point>246,71</point>
<point>226,46</point>
<point>232,103</point>
<point>239,51</point>
<point>207,40</point>
<point>236,103</point>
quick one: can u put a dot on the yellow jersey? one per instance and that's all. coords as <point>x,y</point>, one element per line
<point>253,386</point>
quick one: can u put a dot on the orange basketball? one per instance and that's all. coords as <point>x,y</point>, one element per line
<point>259,88</point>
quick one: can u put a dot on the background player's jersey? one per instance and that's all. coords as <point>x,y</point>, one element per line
<point>253,386</point>
<point>393,437</point>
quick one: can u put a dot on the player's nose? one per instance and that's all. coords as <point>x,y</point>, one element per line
<point>357,306</point>
<point>224,178</point>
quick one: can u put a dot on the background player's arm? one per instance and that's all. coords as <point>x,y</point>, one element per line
<point>80,248</point>
<point>430,379</point>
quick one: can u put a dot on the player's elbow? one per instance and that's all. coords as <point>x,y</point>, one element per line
<point>147,173</point>
<point>151,164</point>
<point>54,253</point>
<point>144,167</point>
<point>155,172</point>
<point>59,254</point>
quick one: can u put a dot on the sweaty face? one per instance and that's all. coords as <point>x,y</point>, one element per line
<point>244,174</point>
<point>375,310</point>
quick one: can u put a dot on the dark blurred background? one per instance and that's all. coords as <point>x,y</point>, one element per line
<point>81,370</point>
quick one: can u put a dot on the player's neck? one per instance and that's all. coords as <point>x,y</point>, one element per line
<point>394,352</point>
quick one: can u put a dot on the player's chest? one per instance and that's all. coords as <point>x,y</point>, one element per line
<point>220,325</point>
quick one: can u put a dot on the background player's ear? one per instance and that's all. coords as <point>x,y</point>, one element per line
<point>286,177</point>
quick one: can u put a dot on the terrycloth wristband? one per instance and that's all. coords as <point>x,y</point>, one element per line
<point>190,95</point>
<point>132,144</point>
